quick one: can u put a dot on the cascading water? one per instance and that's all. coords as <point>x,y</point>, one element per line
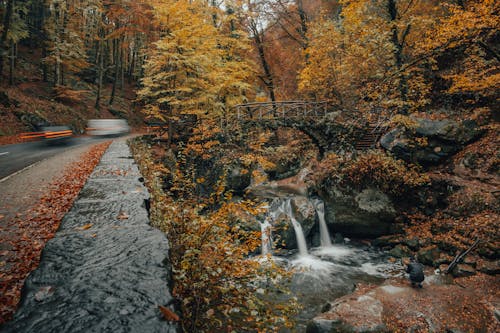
<point>299,233</point>
<point>267,240</point>
<point>324,235</point>
<point>324,273</point>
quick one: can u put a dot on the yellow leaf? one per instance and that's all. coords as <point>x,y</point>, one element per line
<point>85,227</point>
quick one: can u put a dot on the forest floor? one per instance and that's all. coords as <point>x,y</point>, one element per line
<point>31,100</point>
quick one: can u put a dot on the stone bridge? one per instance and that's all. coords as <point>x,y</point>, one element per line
<point>329,128</point>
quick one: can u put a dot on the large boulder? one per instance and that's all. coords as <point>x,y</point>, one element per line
<point>395,306</point>
<point>430,141</point>
<point>368,213</point>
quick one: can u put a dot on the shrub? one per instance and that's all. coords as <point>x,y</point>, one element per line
<point>216,282</point>
<point>371,169</point>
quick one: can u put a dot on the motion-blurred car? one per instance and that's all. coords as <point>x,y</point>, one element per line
<point>107,127</point>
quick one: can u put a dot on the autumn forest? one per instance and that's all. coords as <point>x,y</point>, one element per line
<point>378,118</point>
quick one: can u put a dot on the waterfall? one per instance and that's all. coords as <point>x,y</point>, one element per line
<point>299,233</point>
<point>325,239</point>
<point>267,240</point>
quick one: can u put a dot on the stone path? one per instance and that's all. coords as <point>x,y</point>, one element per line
<point>106,270</point>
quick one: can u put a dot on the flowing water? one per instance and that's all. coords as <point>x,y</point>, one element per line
<point>299,233</point>
<point>324,235</point>
<point>325,273</point>
<point>267,239</point>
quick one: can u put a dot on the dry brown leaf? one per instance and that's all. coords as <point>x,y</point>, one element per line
<point>168,314</point>
<point>1,216</point>
<point>122,216</point>
<point>85,227</point>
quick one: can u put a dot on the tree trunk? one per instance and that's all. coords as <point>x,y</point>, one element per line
<point>44,65</point>
<point>268,76</point>
<point>116,54</point>
<point>100,74</point>
<point>303,23</point>
<point>3,38</point>
<point>398,54</point>
<point>12,62</point>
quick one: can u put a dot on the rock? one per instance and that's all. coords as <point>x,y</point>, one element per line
<point>398,307</point>
<point>238,178</point>
<point>304,212</point>
<point>364,314</point>
<point>386,241</point>
<point>463,270</point>
<point>366,214</point>
<point>429,256</point>
<point>400,251</point>
<point>442,139</point>
<point>412,243</point>
<point>488,267</point>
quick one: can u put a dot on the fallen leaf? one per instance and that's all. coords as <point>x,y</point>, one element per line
<point>1,216</point>
<point>85,227</point>
<point>44,293</point>
<point>122,216</point>
<point>168,314</point>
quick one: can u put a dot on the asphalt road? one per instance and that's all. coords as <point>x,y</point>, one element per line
<point>16,157</point>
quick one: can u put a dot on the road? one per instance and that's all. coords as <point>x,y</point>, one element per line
<point>16,157</point>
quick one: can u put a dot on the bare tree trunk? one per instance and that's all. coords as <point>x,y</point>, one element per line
<point>398,53</point>
<point>12,62</point>
<point>44,65</point>
<point>268,76</point>
<point>303,23</point>
<point>100,74</point>
<point>3,38</point>
<point>115,62</point>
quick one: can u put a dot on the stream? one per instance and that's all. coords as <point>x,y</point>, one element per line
<point>327,272</point>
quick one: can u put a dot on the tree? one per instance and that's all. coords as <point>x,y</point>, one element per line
<point>14,29</point>
<point>193,68</point>
<point>65,43</point>
<point>360,59</point>
<point>464,47</point>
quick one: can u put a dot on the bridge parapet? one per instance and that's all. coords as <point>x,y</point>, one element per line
<point>281,110</point>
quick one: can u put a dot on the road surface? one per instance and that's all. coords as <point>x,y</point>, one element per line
<point>16,157</point>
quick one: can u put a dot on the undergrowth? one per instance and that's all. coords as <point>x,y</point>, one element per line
<point>216,282</point>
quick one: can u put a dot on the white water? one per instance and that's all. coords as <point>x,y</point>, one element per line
<point>299,233</point>
<point>323,229</point>
<point>267,240</point>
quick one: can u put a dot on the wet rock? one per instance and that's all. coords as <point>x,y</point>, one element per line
<point>304,212</point>
<point>369,213</point>
<point>463,270</point>
<point>431,141</point>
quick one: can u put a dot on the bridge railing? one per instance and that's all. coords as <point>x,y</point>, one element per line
<point>281,110</point>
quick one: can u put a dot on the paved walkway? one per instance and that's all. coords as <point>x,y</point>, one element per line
<point>106,270</point>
